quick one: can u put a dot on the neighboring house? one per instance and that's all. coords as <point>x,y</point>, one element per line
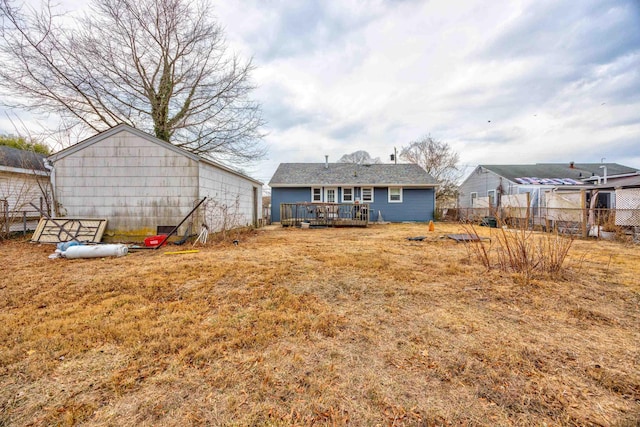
<point>23,180</point>
<point>625,182</point>
<point>488,185</point>
<point>397,192</point>
<point>143,185</point>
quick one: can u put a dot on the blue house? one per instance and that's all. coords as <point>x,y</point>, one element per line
<point>398,192</point>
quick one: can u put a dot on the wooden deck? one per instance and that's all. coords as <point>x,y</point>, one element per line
<point>324,214</point>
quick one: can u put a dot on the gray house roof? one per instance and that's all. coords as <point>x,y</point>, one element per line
<point>21,159</point>
<point>345,174</point>
<point>576,171</point>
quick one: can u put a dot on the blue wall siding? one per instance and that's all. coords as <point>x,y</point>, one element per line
<point>287,195</point>
<point>417,204</point>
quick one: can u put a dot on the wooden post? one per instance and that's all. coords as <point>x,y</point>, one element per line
<point>528,212</point>
<point>583,206</point>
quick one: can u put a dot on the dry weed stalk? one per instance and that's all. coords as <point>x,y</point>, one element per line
<point>521,250</point>
<point>478,247</point>
<point>224,219</point>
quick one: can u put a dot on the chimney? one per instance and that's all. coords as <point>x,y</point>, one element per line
<point>572,165</point>
<point>326,161</point>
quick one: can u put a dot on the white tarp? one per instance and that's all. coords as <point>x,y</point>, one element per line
<point>515,205</point>
<point>480,202</point>
<point>564,206</point>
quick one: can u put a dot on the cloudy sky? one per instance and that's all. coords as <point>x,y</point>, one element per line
<point>518,81</point>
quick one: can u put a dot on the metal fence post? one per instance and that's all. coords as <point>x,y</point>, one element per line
<point>585,213</point>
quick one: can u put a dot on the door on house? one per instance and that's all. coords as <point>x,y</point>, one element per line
<point>330,195</point>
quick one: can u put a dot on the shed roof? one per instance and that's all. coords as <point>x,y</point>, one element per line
<point>126,128</point>
<point>310,174</point>
<point>575,171</point>
<point>21,159</point>
<point>625,182</point>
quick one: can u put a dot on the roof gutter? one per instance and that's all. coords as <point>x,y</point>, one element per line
<point>355,185</point>
<point>23,171</point>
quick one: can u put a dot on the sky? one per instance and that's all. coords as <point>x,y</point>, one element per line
<point>502,82</point>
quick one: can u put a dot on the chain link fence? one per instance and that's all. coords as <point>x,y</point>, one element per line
<point>595,222</point>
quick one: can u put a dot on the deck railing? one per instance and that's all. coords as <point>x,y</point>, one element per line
<point>324,214</point>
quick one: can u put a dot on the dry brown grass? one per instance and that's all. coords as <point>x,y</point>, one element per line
<point>319,327</point>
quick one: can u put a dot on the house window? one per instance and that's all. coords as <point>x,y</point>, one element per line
<point>492,197</point>
<point>347,195</point>
<point>316,194</point>
<point>367,195</point>
<point>474,199</point>
<point>395,194</point>
<point>330,195</point>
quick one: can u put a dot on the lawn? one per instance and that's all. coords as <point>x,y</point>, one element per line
<point>351,326</point>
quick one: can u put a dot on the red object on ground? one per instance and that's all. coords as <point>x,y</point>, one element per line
<point>155,240</point>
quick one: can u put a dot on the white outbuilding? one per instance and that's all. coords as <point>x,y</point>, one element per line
<point>145,186</point>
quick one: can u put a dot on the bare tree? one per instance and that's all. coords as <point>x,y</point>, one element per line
<point>158,65</point>
<point>359,157</point>
<point>440,161</point>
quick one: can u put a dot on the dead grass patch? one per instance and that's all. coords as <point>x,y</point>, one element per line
<point>317,327</point>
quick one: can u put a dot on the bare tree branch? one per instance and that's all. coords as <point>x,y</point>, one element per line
<point>440,161</point>
<point>359,157</point>
<point>159,65</point>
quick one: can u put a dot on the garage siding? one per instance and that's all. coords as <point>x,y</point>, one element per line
<point>133,182</point>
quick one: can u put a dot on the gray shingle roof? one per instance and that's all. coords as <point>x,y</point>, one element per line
<point>21,159</point>
<point>311,174</point>
<point>579,171</point>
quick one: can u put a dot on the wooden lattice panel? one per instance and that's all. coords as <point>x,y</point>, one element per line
<point>628,207</point>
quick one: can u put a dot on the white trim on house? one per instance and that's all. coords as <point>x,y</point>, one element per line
<point>22,170</point>
<point>392,197</point>
<point>473,197</point>
<point>313,194</point>
<point>328,191</point>
<point>364,199</point>
<point>380,185</point>
<point>351,197</point>
<point>492,195</point>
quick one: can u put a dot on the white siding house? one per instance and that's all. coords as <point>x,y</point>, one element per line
<point>23,180</point>
<point>139,183</point>
<point>488,183</point>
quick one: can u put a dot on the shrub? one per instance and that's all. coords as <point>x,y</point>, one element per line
<point>521,251</point>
